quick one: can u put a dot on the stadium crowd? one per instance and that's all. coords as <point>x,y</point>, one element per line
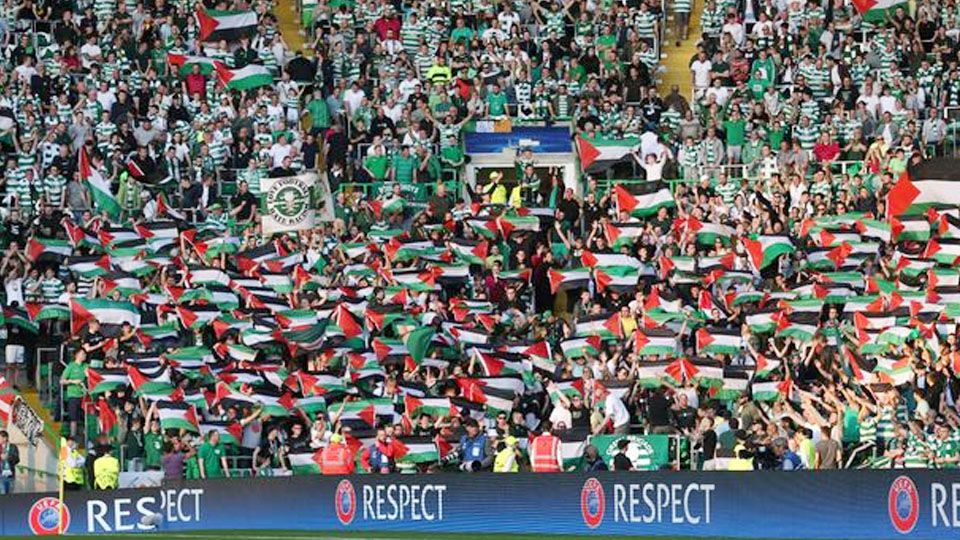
<point>769,309</point>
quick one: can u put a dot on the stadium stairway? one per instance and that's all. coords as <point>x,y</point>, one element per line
<point>288,20</point>
<point>676,59</point>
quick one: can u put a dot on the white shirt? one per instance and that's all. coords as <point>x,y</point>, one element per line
<point>353,99</point>
<point>14,290</point>
<point>701,73</point>
<point>278,152</point>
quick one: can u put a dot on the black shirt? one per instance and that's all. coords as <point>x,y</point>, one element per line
<point>622,463</point>
<point>248,201</point>
<point>658,410</point>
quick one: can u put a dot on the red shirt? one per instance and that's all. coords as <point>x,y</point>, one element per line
<point>826,152</point>
<point>196,84</point>
<point>384,25</point>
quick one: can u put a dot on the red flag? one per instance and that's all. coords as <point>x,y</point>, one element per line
<point>588,152</point>
<point>903,193</point>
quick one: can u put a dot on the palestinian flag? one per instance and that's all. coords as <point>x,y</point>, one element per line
<point>910,196</point>
<point>770,391</point>
<point>231,433</point>
<point>708,374</point>
<point>42,312</point>
<point>649,199</point>
<point>910,228</point>
<point>734,385</point>
<point>945,251</point>
<point>651,374</point>
<point>494,399</point>
<point>605,325</point>
<point>877,11</point>
<point>47,246</point>
<point>470,251</point>
<point>415,450</point>
<point>762,321</point>
<point>228,25</point>
<point>99,187</point>
<point>764,250</point>
<point>245,78</point>
<point>719,340</point>
<point>579,347</point>
<point>577,278</point>
<point>495,364</point>
<point>190,358</point>
<point>573,442</point>
<point>655,342</point>
<point>104,311</point>
<point>765,366</point>
<point>177,415</point>
<point>89,266</point>
<point>801,325</point>
<point>895,372</point>
<point>599,153</point>
<point>305,462</point>
<point>20,318</point>
<point>106,418</point>
<point>707,233</point>
<point>318,384</point>
<point>184,63</point>
<point>365,411</point>
<point>105,380</point>
<point>622,234</point>
<point>873,228</point>
<point>150,383</point>
<point>435,407</point>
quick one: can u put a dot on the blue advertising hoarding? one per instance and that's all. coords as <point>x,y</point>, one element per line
<point>829,505</point>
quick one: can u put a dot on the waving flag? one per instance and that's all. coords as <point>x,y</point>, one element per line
<point>178,416</point>
<point>47,246</point>
<point>245,78</point>
<point>228,25</point>
<point>104,311</point>
<point>99,187</point>
<point>650,197</point>
<point>185,63</point>
<point>764,250</point>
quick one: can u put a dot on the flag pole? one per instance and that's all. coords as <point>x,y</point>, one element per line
<point>61,465</point>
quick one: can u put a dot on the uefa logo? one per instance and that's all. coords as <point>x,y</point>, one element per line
<point>592,503</point>
<point>903,504</point>
<point>44,517</point>
<point>345,502</point>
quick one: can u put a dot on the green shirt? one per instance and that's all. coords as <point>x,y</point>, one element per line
<point>211,455</point>
<point>319,114</point>
<point>77,371</point>
<point>153,449</point>
<point>735,131</point>
<point>497,103</point>
<point>403,168</point>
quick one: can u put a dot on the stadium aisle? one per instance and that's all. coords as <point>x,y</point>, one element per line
<point>677,59</point>
<point>288,19</point>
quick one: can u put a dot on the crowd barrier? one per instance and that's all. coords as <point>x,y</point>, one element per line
<point>812,505</point>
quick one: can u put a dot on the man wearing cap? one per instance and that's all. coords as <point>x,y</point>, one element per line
<point>508,457</point>
<point>495,189</point>
<point>337,458</point>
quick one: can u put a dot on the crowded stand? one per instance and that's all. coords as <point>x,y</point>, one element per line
<point>751,269</point>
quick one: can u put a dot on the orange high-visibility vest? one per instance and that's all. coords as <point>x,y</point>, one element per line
<point>543,453</point>
<point>336,459</point>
